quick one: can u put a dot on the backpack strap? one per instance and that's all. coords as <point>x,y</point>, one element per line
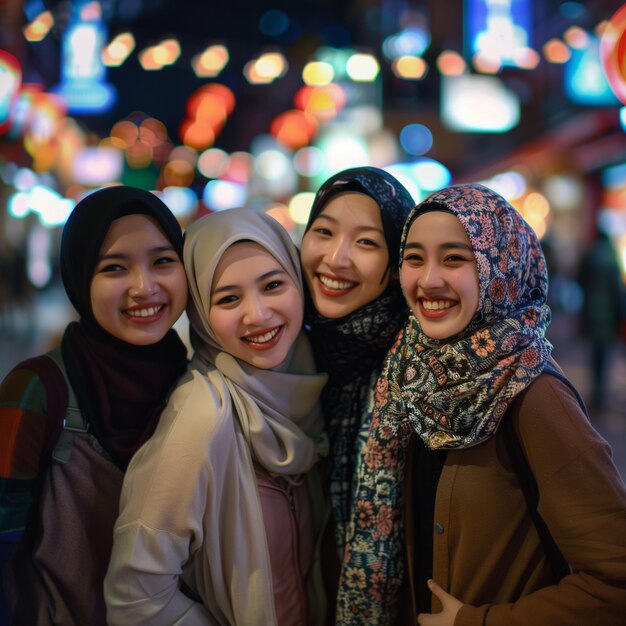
<point>551,369</point>
<point>528,483</point>
<point>74,421</point>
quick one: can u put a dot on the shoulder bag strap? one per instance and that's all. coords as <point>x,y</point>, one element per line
<point>528,483</point>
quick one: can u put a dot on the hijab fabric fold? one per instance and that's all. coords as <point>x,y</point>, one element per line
<point>121,388</point>
<point>453,392</point>
<point>352,348</point>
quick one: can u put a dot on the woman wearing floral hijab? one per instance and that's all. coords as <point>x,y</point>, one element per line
<point>471,363</point>
<point>219,511</point>
<point>355,306</point>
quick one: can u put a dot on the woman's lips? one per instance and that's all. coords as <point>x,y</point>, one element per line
<point>334,287</point>
<point>435,308</point>
<point>145,314</point>
<point>264,340</point>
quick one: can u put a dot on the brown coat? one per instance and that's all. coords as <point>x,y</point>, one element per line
<point>486,549</point>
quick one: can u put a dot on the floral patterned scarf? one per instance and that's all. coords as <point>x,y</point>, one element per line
<point>453,393</point>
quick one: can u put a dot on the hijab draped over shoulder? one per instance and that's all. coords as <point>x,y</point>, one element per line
<point>122,388</point>
<point>452,392</point>
<point>352,348</point>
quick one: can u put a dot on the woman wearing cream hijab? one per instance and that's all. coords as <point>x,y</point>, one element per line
<point>219,512</point>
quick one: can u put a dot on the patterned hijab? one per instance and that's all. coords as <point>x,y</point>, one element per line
<point>352,348</point>
<point>452,392</point>
<point>277,409</point>
<point>456,390</point>
<point>121,388</point>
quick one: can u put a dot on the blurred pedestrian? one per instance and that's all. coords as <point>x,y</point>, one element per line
<point>602,311</point>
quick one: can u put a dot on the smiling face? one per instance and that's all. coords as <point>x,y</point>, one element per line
<point>344,255</point>
<point>256,308</point>
<point>438,274</point>
<point>139,287</point>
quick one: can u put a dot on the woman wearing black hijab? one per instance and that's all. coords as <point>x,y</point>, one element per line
<point>355,308</point>
<point>121,267</point>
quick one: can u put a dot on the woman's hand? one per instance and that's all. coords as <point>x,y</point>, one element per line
<point>450,604</point>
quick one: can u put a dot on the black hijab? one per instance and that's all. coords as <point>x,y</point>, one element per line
<point>121,388</point>
<point>351,349</point>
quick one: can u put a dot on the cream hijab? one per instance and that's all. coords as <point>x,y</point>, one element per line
<point>277,410</point>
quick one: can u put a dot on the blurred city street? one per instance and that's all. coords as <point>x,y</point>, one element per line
<point>37,328</point>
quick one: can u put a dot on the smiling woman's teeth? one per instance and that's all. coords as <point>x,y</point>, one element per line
<point>436,305</point>
<point>335,284</point>
<point>263,338</point>
<point>153,310</point>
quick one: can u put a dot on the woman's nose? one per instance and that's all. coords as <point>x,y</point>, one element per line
<point>431,276</point>
<point>143,284</point>
<point>256,311</point>
<point>339,254</point>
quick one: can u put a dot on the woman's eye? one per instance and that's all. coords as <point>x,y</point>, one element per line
<point>322,231</point>
<point>112,267</point>
<point>412,258</point>
<point>457,258</point>
<point>275,284</point>
<point>226,300</point>
<point>163,260</point>
<point>368,242</point>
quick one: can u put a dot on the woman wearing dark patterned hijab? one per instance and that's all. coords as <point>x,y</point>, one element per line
<point>354,306</point>
<point>472,365</point>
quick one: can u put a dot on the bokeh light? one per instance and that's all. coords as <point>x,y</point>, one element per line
<point>416,139</point>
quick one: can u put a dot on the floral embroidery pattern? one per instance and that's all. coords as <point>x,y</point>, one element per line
<point>482,343</point>
<point>369,576</point>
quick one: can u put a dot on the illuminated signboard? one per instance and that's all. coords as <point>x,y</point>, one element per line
<point>83,75</point>
<point>584,78</point>
<point>497,28</point>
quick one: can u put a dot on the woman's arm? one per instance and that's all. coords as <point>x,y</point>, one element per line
<point>143,581</point>
<point>162,505</point>
<point>582,499</point>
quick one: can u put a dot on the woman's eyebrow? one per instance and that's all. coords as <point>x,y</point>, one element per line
<point>122,255</point>
<point>260,279</point>
<point>334,220</point>
<point>449,245</point>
